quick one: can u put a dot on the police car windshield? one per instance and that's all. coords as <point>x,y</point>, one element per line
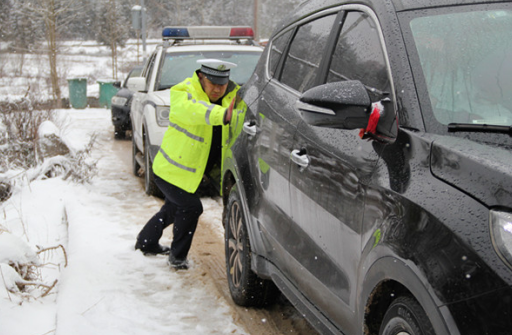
<point>465,59</point>
<point>178,66</point>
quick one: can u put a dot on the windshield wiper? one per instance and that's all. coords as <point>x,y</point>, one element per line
<point>482,128</point>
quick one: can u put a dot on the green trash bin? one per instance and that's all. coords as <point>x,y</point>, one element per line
<point>77,92</point>
<point>107,91</point>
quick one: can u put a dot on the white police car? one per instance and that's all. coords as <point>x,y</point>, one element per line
<point>170,63</point>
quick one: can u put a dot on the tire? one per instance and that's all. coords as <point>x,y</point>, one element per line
<point>405,316</point>
<point>119,133</point>
<point>149,177</point>
<point>246,288</point>
<point>135,165</point>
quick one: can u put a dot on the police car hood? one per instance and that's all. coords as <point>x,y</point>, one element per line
<point>162,98</point>
<point>480,170</point>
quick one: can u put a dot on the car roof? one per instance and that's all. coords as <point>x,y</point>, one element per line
<point>311,6</point>
<point>213,47</point>
<point>402,5</point>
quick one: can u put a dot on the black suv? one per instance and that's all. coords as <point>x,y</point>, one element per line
<point>369,168</point>
<point>121,104</point>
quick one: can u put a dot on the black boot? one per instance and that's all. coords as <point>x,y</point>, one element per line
<point>154,249</point>
<point>177,264</point>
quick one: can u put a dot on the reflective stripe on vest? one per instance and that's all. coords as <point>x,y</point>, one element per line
<point>181,166</point>
<point>205,104</point>
<point>208,112</point>
<point>186,132</point>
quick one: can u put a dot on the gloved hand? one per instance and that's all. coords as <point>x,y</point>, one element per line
<point>229,112</point>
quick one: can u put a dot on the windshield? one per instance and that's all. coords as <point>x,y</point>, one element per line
<point>178,66</point>
<point>466,60</point>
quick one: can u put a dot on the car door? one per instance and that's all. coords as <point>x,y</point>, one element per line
<point>271,128</point>
<point>138,101</point>
<point>330,172</point>
<point>276,123</point>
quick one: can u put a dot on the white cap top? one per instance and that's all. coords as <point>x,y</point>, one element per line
<point>216,70</point>
<point>216,64</point>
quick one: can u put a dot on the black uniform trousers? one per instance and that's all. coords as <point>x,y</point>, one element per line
<point>181,208</point>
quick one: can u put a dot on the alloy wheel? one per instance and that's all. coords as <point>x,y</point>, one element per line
<point>235,244</point>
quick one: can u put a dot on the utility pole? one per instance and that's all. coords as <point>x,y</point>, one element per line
<point>143,18</point>
<point>256,36</point>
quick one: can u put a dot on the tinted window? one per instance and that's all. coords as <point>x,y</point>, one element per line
<point>468,71</point>
<point>277,50</point>
<point>358,54</point>
<point>306,52</point>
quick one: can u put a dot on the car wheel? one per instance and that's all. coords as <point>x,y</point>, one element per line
<point>149,177</point>
<point>405,316</point>
<point>246,288</point>
<point>119,133</point>
<point>135,164</point>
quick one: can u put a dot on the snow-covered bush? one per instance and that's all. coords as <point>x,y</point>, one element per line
<point>20,268</point>
<point>31,148</point>
<point>20,124</point>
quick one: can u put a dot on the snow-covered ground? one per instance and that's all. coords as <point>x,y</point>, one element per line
<point>106,287</point>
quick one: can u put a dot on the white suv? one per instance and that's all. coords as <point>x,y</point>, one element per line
<point>170,63</point>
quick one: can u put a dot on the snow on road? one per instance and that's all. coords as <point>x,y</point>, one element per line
<point>107,287</point>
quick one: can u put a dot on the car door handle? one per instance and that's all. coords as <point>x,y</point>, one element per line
<point>300,158</point>
<point>250,128</point>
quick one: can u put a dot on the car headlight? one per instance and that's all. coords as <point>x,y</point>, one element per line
<point>162,116</point>
<point>118,101</point>
<point>501,232</point>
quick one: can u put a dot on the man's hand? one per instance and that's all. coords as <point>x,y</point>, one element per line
<point>229,112</point>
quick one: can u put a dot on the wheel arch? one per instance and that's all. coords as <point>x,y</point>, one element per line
<point>229,181</point>
<point>390,277</point>
<point>146,135</point>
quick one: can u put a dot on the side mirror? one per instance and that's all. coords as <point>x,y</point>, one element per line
<point>116,84</point>
<point>136,84</point>
<point>346,105</point>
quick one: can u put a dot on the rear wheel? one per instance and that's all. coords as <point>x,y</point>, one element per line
<point>119,132</point>
<point>149,177</point>
<point>405,316</point>
<point>246,288</point>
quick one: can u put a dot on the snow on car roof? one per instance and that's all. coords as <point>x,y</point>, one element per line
<point>213,47</point>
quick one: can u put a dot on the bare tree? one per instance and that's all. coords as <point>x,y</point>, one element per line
<point>55,14</point>
<point>113,28</point>
<point>17,30</point>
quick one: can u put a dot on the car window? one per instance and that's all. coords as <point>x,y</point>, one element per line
<point>135,72</point>
<point>306,50</point>
<point>359,56</point>
<point>276,51</point>
<point>149,72</point>
<point>468,72</point>
<point>178,66</point>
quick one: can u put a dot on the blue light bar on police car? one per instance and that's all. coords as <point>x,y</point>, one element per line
<point>175,32</point>
<point>207,32</point>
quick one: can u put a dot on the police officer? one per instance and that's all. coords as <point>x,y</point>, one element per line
<point>201,109</point>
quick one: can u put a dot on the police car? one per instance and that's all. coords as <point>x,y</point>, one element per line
<point>170,63</point>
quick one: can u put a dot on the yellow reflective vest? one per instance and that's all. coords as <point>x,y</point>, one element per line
<point>185,148</point>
